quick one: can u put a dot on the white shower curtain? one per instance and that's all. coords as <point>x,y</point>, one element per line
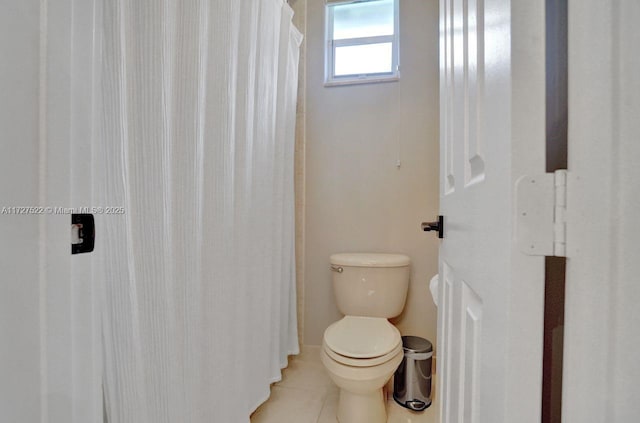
<point>196,141</point>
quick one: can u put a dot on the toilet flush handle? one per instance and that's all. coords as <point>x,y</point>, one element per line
<point>336,269</point>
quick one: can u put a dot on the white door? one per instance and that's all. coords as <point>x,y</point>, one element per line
<point>50,367</point>
<point>491,296</point>
<point>601,381</point>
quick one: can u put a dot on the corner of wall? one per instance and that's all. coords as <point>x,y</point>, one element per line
<point>300,21</point>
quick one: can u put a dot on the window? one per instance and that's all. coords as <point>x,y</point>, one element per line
<point>362,41</point>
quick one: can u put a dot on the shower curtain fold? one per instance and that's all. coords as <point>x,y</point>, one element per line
<point>196,141</point>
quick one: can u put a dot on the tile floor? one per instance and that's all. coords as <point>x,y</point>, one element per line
<point>307,395</point>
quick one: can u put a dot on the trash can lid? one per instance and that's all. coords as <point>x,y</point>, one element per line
<point>416,344</point>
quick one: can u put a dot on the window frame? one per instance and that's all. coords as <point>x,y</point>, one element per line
<point>330,79</point>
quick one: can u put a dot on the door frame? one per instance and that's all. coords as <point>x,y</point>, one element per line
<point>69,46</point>
<point>54,302</point>
<point>601,369</point>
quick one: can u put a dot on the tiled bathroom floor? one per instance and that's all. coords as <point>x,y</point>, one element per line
<point>307,395</point>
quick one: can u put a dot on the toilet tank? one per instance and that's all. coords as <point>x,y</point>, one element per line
<point>370,284</point>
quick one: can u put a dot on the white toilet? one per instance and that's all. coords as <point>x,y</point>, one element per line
<point>362,350</point>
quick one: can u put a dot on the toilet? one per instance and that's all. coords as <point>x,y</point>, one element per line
<point>362,350</point>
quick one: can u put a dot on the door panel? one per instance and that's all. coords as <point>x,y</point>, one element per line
<point>446,101</point>
<point>445,318</point>
<point>473,50</point>
<point>492,119</point>
<point>471,334</point>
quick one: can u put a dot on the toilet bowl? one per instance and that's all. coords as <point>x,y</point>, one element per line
<point>360,355</point>
<point>362,350</point>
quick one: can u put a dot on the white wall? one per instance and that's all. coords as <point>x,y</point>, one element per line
<point>356,199</point>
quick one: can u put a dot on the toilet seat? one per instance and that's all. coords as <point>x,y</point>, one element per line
<point>361,362</point>
<point>361,338</point>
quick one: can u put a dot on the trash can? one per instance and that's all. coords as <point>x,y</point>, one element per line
<point>412,381</point>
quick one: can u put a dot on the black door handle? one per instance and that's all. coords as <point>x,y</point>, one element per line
<point>434,226</point>
<point>85,230</point>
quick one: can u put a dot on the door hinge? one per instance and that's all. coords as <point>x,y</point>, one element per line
<point>541,207</point>
<point>560,214</point>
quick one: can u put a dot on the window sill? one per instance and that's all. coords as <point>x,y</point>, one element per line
<point>340,83</point>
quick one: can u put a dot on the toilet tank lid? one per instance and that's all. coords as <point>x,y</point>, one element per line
<point>370,260</point>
